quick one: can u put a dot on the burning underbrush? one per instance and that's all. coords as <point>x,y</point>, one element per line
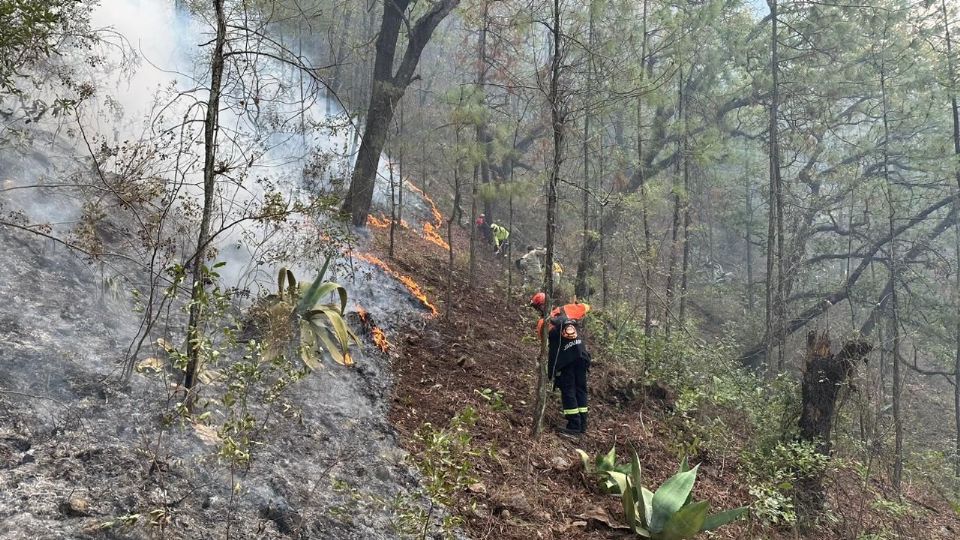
<point>383,222</point>
<point>431,230</point>
<point>407,281</point>
<point>370,329</point>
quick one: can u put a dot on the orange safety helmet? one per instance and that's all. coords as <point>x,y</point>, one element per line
<point>538,300</point>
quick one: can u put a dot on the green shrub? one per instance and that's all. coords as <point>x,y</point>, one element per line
<point>446,461</point>
<point>773,474</point>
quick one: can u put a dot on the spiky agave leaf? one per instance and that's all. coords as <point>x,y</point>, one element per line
<point>317,291</point>
<point>670,497</point>
<point>647,497</point>
<point>609,461</point>
<point>332,333</point>
<point>619,482</point>
<point>643,509</point>
<point>308,346</point>
<point>629,504</point>
<point>585,459</point>
<point>312,294</point>
<point>685,522</point>
<point>722,518</point>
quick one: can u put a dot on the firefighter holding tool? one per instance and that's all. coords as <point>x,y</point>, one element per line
<point>568,360</point>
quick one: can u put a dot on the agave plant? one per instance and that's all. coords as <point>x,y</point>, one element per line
<point>669,513</point>
<point>315,328</point>
<point>603,464</point>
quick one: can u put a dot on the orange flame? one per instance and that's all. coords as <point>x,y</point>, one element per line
<point>432,236</point>
<point>377,333</point>
<point>383,222</point>
<point>373,221</point>
<point>410,284</point>
<point>431,230</point>
<point>380,338</point>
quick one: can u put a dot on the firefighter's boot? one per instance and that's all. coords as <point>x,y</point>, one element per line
<point>583,422</point>
<point>573,424</point>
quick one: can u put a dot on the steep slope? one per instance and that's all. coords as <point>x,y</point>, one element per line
<point>483,360</point>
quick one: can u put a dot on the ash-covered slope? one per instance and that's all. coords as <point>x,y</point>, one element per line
<point>77,452</point>
<point>83,454</point>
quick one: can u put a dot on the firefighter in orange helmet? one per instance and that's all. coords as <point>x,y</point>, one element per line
<point>568,358</point>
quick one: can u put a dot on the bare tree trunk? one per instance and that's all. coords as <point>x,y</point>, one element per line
<point>685,260</point>
<point>557,119</point>
<point>393,208</point>
<point>484,137</point>
<point>473,229</point>
<point>396,189</point>
<point>955,113</point>
<point>400,170</point>
<point>450,220</point>
<point>668,313</point>
<point>510,171</point>
<point>647,242</point>
<point>748,235</point>
<point>483,141</point>
<point>211,127</point>
<point>386,92</point>
<point>956,360</point>
<point>583,266</point>
<point>894,304</point>
<point>772,218</point>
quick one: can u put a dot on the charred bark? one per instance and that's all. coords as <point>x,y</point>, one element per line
<point>826,373</point>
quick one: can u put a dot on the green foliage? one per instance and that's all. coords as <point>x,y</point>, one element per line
<point>669,513</point>
<point>32,30</point>
<point>893,509</point>
<point>773,473</point>
<point>446,458</point>
<point>494,398</point>
<point>720,407</point>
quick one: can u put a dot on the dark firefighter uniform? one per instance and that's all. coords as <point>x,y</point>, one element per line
<point>568,362</point>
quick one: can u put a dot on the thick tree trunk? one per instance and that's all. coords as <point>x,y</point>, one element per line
<point>387,89</point>
<point>825,375</point>
<point>211,127</point>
